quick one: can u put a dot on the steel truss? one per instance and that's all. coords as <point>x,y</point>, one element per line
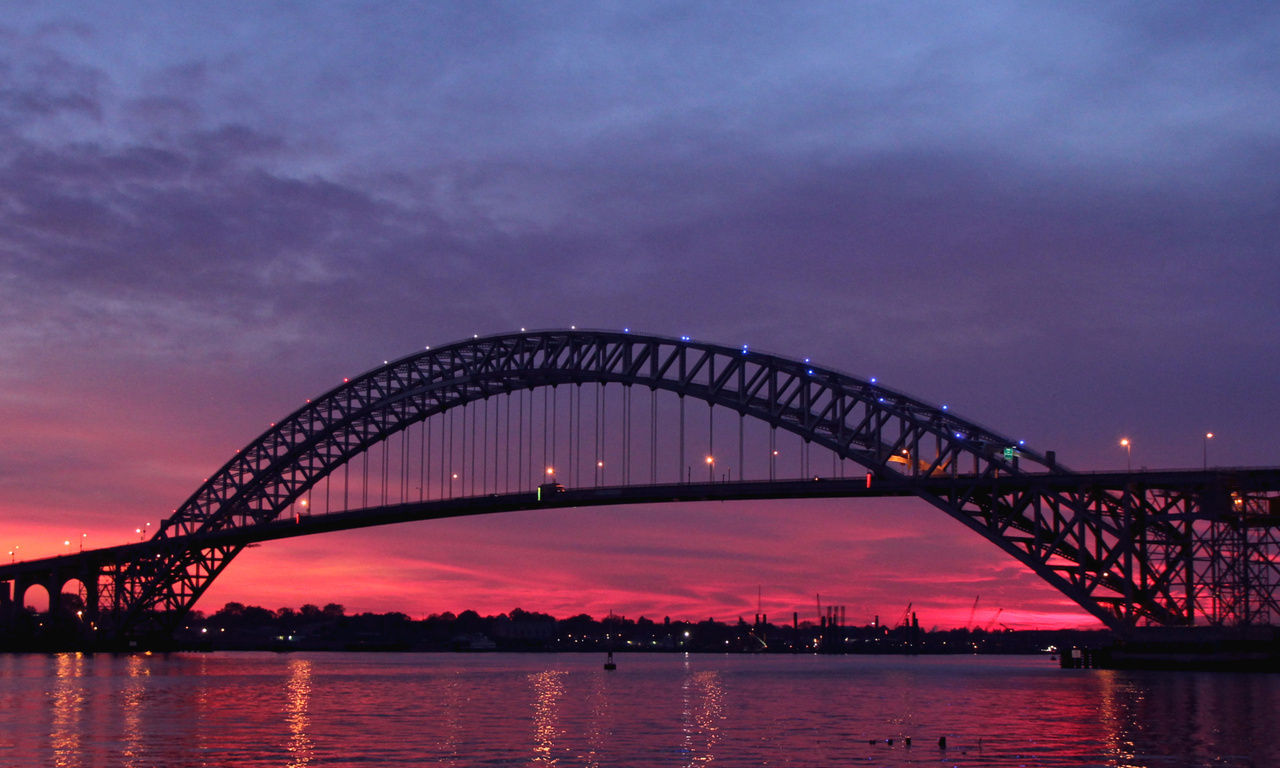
<point>1170,548</point>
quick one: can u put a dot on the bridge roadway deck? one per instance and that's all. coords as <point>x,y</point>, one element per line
<point>1252,480</point>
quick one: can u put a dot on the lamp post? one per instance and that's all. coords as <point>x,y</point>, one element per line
<point>1128,453</point>
<point>1207,437</point>
<point>711,469</point>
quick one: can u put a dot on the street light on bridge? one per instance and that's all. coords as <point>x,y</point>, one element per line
<point>1207,437</point>
<point>711,469</point>
<point>1128,453</point>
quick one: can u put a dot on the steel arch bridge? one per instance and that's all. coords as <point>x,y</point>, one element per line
<point>1168,548</point>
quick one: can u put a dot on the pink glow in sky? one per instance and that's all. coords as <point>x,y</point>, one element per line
<point>1063,225</point>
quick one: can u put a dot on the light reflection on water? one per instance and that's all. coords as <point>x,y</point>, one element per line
<point>68,702</point>
<point>251,710</point>
<point>548,689</point>
<point>299,692</point>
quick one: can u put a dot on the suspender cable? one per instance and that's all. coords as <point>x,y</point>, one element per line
<point>577,470</point>
<point>599,462</point>
<point>545,437</point>
<point>604,433</point>
<point>653,436</point>
<point>532,482</point>
<point>711,441</point>
<point>520,441</point>
<point>570,473</point>
<point>682,465</point>
<point>506,442</point>
<point>773,452</point>
<point>626,434</point>
<point>742,458</point>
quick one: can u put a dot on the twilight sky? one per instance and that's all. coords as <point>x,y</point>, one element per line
<point>1063,222</point>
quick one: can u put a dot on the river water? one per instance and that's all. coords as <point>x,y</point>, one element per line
<point>245,709</point>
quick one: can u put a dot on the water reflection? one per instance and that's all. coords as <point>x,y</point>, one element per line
<point>68,704</point>
<point>548,690</point>
<point>450,718</point>
<point>211,709</point>
<point>703,705</point>
<point>298,693</point>
<point>600,716</point>
<point>131,709</point>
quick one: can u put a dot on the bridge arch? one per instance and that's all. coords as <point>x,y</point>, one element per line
<point>857,419</point>
<point>1071,535</point>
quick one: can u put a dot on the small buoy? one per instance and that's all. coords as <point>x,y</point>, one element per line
<point>889,742</point>
<point>609,664</point>
<point>942,742</point>
<point>906,741</point>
